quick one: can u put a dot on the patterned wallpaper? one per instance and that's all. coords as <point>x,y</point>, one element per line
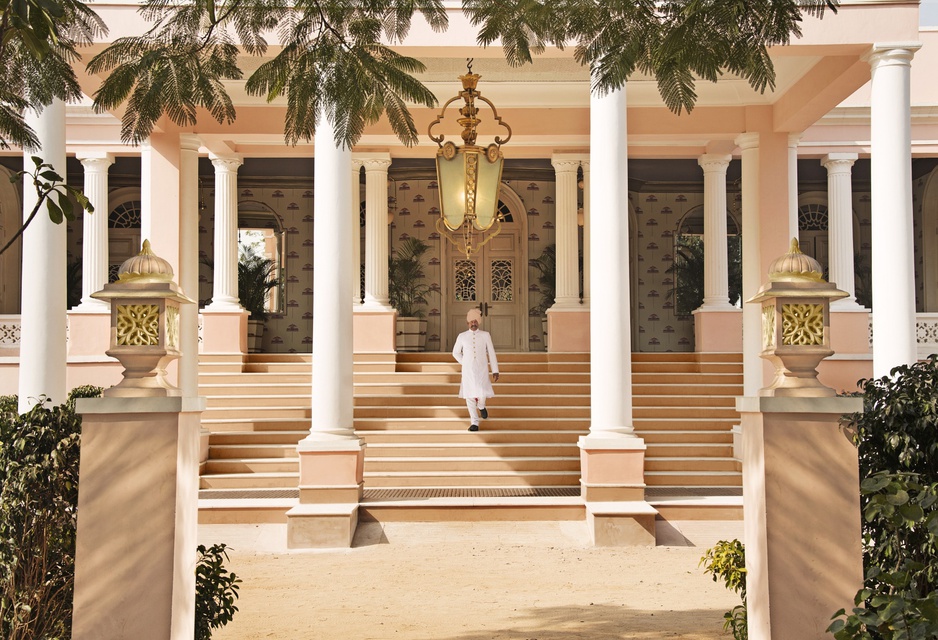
<point>657,214</point>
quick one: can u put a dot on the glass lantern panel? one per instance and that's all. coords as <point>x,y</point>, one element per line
<point>451,176</point>
<point>489,180</point>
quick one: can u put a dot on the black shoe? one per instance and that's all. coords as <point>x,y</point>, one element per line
<point>484,413</point>
<point>473,427</point>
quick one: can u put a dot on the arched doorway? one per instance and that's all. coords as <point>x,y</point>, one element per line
<point>495,280</point>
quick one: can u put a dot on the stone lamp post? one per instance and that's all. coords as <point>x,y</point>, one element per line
<point>144,324</point>
<point>796,324</point>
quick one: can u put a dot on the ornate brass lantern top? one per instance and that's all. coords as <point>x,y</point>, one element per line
<point>469,176</point>
<point>796,323</point>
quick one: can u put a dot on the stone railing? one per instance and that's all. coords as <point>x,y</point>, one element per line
<point>9,334</point>
<point>926,334</point>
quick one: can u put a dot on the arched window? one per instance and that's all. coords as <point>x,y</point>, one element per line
<point>125,215</point>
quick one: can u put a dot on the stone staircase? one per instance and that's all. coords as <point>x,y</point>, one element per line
<point>415,427</point>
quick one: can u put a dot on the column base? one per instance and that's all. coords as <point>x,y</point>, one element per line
<point>612,484</point>
<point>568,329</point>
<point>718,331</point>
<point>331,473</point>
<point>224,332</point>
<point>321,526</point>
<point>621,524</point>
<point>374,331</point>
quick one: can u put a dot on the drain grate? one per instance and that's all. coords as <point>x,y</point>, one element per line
<point>651,493</point>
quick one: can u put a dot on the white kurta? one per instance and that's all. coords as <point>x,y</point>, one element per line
<point>474,351</point>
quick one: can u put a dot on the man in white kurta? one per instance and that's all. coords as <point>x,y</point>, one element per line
<point>475,352</point>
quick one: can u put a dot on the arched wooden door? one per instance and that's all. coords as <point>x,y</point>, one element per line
<point>494,280</point>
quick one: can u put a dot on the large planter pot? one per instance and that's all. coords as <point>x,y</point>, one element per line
<point>411,334</point>
<point>255,336</point>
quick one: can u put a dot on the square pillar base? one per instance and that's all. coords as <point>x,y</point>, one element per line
<point>224,331</point>
<point>568,330</point>
<point>331,473</point>
<point>621,524</point>
<point>139,491</point>
<point>89,333</point>
<point>612,469</point>
<point>321,526</point>
<point>803,538</point>
<point>374,331</point>
<point>718,331</point>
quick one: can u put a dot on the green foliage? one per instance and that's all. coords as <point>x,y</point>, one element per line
<point>900,600</point>
<point>39,458</point>
<point>897,442</point>
<point>257,275</point>
<point>216,590</point>
<point>39,39</point>
<point>546,265</point>
<point>727,561</point>
<point>48,184</point>
<point>336,61</point>
<point>407,289</point>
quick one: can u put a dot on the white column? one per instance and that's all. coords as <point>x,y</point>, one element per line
<point>94,250</point>
<point>793,140</point>
<point>585,164</point>
<point>610,313</point>
<point>752,264</point>
<point>225,277</point>
<point>43,316</point>
<point>568,271</point>
<point>356,232</point>
<point>716,269</point>
<point>332,315</point>
<point>188,276</point>
<point>891,195</point>
<point>840,229</point>
<point>376,232</point>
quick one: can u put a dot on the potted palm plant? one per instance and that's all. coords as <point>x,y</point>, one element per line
<point>408,291</point>
<point>546,265</point>
<point>257,275</point>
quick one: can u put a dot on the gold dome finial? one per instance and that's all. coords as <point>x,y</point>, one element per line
<point>795,266</point>
<point>146,266</point>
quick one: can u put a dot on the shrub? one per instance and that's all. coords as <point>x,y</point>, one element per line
<point>897,441</point>
<point>39,462</point>
<point>727,561</point>
<point>216,590</point>
<point>39,457</point>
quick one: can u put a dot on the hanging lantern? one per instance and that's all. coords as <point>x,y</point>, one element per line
<point>469,176</point>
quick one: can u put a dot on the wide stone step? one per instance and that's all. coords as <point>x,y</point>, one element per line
<point>689,465</point>
<point>430,437</point>
<point>253,465</point>
<point>252,409</point>
<point>504,399</point>
<point>452,388</point>
<point>243,423</point>
<point>496,412</point>
<point>679,436</point>
<point>693,478</point>
<point>461,423</point>
<point>458,450</point>
<point>684,450</point>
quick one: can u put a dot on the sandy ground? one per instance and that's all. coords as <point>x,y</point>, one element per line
<point>475,581</point>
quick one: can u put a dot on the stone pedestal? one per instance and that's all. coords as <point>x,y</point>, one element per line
<point>331,473</point>
<point>89,333</point>
<point>224,331</point>
<point>802,514</point>
<point>718,331</point>
<point>137,518</point>
<point>568,330</point>
<point>374,331</point>
<point>613,486</point>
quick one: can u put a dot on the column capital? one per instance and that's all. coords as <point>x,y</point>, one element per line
<point>747,141</point>
<point>794,139</point>
<point>357,164</point>
<point>887,54</point>
<point>373,163</point>
<point>563,163</point>
<point>585,164</point>
<point>189,142</point>
<point>226,163</point>
<point>714,162</point>
<point>838,161</point>
<point>95,160</point>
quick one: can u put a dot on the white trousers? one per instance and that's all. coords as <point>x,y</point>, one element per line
<point>474,404</point>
